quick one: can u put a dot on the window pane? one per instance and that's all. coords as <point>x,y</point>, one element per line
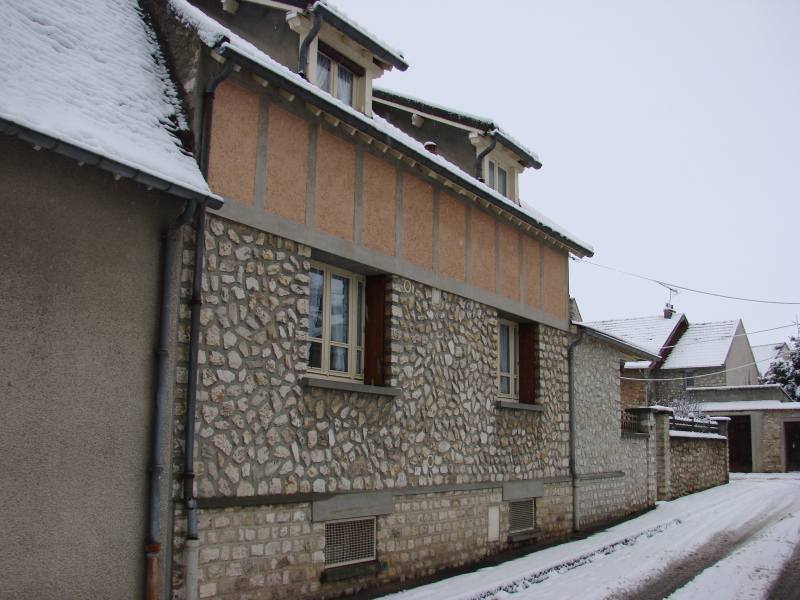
<point>502,181</point>
<point>504,350</point>
<point>359,315</point>
<point>324,72</point>
<point>315,355</point>
<point>505,385</point>
<point>338,359</point>
<point>340,306</point>
<point>315,291</point>
<point>359,362</point>
<point>344,85</point>
<point>490,174</point>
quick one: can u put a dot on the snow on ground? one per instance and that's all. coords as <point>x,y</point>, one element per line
<point>746,530</point>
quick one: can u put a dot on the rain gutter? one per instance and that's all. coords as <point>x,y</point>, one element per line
<point>41,140</point>
<point>192,538</point>
<point>573,469</point>
<point>363,125</point>
<point>479,159</point>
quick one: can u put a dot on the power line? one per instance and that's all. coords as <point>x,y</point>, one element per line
<point>698,376</point>
<point>724,337</point>
<point>682,287</point>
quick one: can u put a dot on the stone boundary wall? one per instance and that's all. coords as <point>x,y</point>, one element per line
<point>601,447</point>
<point>697,464</point>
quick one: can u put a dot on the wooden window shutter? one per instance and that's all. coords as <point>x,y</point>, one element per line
<point>528,364</point>
<point>374,334</point>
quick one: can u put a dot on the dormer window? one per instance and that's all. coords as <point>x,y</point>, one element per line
<point>497,178</point>
<point>336,75</point>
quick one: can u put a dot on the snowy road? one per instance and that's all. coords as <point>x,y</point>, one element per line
<point>730,542</point>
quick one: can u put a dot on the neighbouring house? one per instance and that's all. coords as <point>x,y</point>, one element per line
<point>766,354</point>
<point>690,355</point>
<point>350,356</point>
<point>764,431</point>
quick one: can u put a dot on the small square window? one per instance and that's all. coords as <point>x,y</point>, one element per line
<point>521,515</point>
<point>349,542</point>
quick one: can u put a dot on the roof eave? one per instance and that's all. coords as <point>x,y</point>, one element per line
<point>41,140</point>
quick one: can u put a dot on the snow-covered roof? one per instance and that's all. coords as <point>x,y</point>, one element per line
<point>88,76</point>
<point>620,342</point>
<point>714,407</point>
<point>727,388</point>
<point>703,345</point>
<point>765,354</point>
<point>228,44</point>
<point>651,333</point>
<point>461,117</point>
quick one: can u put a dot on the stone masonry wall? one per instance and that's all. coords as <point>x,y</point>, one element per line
<point>277,552</point>
<point>671,388</point>
<point>260,431</point>
<point>697,464</point>
<point>600,446</point>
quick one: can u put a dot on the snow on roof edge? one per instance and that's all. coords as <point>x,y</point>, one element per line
<point>214,34</point>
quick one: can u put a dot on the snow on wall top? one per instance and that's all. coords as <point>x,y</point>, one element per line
<point>90,73</point>
<point>649,332</point>
<point>703,345</point>
<point>214,34</point>
<point>715,407</point>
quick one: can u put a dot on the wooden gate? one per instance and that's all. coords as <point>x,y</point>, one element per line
<point>791,432</point>
<point>740,448</point>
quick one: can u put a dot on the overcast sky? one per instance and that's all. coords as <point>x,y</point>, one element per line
<point>669,134</point>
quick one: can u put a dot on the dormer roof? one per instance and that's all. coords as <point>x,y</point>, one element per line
<point>467,121</point>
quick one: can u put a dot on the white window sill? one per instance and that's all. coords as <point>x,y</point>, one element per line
<point>518,406</point>
<point>349,386</point>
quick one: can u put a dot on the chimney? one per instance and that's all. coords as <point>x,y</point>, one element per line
<point>431,147</point>
<point>668,311</point>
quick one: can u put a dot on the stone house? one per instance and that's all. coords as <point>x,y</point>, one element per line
<point>690,355</point>
<point>350,355</point>
<point>766,354</point>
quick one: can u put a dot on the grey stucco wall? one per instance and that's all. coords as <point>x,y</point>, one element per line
<point>740,361</point>
<point>79,276</point>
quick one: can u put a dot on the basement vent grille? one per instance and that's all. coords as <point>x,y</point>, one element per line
<point>349,542</point>
<point>520,515</point>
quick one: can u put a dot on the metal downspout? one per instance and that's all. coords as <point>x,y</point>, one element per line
<point>479,160</point>
<point>192,539</point>
<point>573,470</point>
<point>153,544</point>
<point>302,66</point>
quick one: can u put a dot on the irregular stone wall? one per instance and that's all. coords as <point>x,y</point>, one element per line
<point>261,431</point>
<point>601,449</point>
<point>771,448</point>
<point>697,464</point>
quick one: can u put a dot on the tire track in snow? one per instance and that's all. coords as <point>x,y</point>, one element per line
<point>679,573</point>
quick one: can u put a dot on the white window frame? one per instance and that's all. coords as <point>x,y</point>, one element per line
<point>355,351</point>
<point>334,79</point>
<point>513,361</point>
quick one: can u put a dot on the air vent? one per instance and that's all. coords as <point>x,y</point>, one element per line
<point>349,542</point>
<point>520,515</point>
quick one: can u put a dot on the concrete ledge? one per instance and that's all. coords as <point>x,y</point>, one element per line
<point>522,490</point>
<point>608,475</point>
<point>357,570</point>
<point>518,406</point>
<point>349,386</point>
<point>351,506</point>
<point>525,535</point>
